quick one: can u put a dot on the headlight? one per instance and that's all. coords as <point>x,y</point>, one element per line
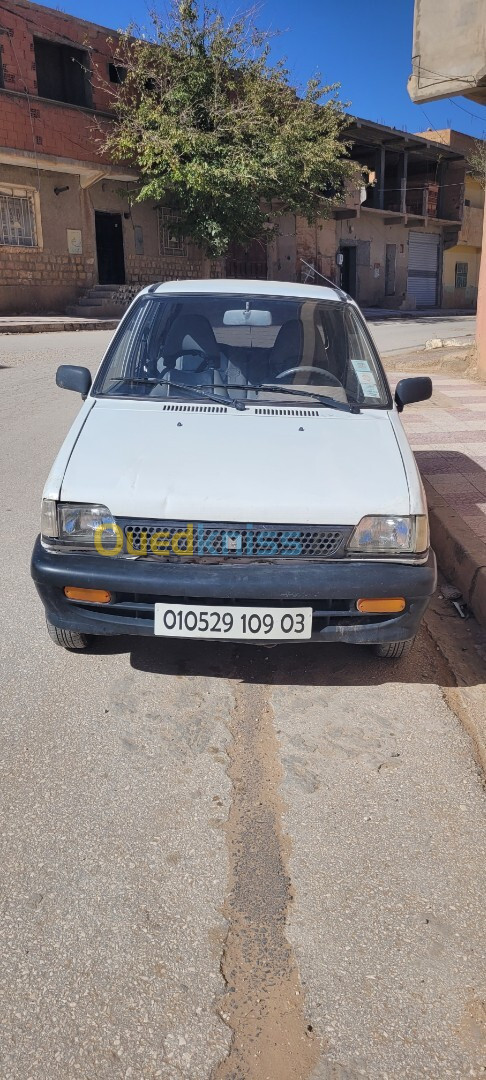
<point>49,526</point>
<point>389,535</point>
<point>75,525</point>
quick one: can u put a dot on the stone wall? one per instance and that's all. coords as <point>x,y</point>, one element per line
<point>142,269</point>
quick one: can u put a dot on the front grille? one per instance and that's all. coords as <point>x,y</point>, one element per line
<point>139,607</point>
<point>210,540</point>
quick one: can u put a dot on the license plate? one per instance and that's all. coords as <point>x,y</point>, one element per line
<point>241,623</point>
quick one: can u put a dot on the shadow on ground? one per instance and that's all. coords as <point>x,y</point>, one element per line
<point>306,665</point>
<point>442,468</point>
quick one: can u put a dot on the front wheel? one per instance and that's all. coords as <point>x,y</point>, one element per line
<point>68,639</point>
<point>393,650</point>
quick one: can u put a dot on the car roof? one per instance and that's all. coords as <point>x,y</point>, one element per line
<point>245,286</point>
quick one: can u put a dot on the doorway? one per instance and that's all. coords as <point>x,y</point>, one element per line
<point>247,260</point>
<point>423,268</point>
<point>390,267</point>
<point>109,248</point>
<point>349,273</point>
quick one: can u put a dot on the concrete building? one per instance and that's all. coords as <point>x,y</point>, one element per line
<point>460,273</point>
<point>66,219</point>
<point>449,50</point>
<point>388,244</point>
<point>449,58</point>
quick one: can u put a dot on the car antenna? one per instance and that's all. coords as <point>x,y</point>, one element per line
<point>311,271</point>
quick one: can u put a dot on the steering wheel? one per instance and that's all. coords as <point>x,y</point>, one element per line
<point>309,367</point>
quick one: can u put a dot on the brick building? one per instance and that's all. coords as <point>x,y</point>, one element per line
<point>66,220</point>
<point>71,235</point>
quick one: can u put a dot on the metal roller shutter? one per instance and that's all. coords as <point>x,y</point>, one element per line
<point>423,268</point>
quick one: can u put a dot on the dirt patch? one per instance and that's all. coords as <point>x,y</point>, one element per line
<point>472,1028</point>
<point>461,362</point>
<point>263,1003</point>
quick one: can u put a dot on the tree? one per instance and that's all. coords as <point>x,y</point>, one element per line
<point>217,131</point>
<point>477,161</point>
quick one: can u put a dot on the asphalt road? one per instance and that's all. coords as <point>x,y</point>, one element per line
<point>396,335</point>
<point>223,862</point>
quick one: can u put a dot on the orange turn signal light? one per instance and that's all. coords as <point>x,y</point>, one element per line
<point>379,606</point>
<point>91,596</point>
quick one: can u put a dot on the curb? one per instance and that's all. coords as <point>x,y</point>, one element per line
<point>460,553</point>
<point>422,313</point>
<point>49,328</point>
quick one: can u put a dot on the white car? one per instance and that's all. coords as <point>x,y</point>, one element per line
<point>238,471</point>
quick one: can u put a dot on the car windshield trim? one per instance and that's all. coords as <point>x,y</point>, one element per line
<point>140,320</point>
<point>200,391</point>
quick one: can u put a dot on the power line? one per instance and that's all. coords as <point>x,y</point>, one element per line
<point>468,111</point>
<point>468,79</point>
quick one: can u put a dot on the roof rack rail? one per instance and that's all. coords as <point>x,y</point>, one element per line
<point>155,286</point>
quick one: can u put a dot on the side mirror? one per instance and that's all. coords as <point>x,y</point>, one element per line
<point>409,390</point>
<point>72,377</point>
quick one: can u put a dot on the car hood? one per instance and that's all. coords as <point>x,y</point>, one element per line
<point>204,462</point>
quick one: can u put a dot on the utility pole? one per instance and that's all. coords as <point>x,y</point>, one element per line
<point>481,312</point>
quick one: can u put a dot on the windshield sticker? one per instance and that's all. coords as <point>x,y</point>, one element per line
<point>366,378</point>
<point>371,391</point>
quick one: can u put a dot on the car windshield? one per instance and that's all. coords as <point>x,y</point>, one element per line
<point>247,349</point>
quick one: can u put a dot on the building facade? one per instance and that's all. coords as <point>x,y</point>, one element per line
<point>460,274</point>
<point>388,245</point>
<point>69,223</point>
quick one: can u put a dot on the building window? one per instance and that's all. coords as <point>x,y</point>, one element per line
<point>17,221</point>
<point>138,239</point>
<point>62,73</point>
<point>170,243</point>
<point>117,73</point>
<point>461,275</point>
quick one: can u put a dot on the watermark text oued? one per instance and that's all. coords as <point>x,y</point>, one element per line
<point>197,539</point>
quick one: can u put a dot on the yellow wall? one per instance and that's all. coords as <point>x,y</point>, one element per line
<point>474,191</point>
<point>468,250</point>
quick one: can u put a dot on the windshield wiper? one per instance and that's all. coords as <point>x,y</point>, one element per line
<point>233,402</point>
<point>330,403</point>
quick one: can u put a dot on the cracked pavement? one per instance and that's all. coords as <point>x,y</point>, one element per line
<point>224,862</point>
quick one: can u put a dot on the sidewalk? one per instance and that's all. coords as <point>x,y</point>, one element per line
<point>448,436</point>
<point>42,324</point>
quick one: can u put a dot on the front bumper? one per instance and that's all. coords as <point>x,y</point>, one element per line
<point>330,587</point>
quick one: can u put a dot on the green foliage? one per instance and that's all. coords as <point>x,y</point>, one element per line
<point>218,132</point>
<point>477,161</point>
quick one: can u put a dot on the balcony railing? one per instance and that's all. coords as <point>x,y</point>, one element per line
<point>422,200</point>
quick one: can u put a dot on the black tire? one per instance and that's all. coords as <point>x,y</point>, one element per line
<point>68,639</point>
<point>393,650</point>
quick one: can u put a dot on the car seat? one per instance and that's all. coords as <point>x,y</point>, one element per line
<point>287,348</point>
<point>190,353</point>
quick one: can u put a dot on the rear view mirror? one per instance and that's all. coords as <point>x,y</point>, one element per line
<point>408,391</point>
<point>72,377</point>
<point>245,317</point>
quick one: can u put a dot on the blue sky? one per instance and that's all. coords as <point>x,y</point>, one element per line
<point>365,45</point>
